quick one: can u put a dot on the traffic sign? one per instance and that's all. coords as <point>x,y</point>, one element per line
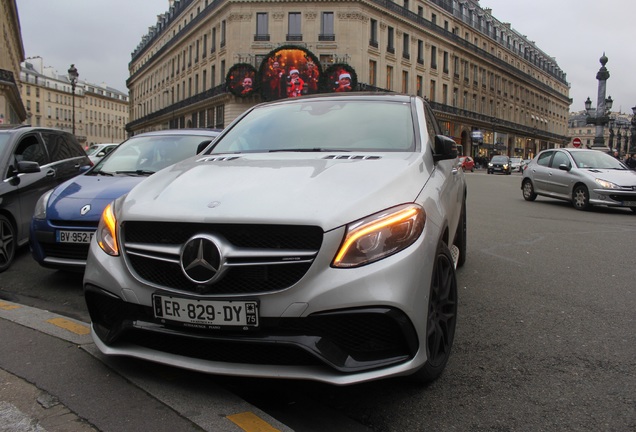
<point>576,142</point>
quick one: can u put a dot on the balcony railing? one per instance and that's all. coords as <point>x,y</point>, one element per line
<point>327,37</point>
<point>261,38</point>
<point>294,37</point>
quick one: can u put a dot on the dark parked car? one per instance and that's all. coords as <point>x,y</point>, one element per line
<point>499,164</point>
<point>33,160</point>
<point>581,176</point>
<point>66,217</point>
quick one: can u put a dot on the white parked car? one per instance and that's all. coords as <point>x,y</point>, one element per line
<point>316,238</point>
<point>97,151</point>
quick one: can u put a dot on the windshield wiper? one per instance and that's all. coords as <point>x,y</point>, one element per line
<point>104,173</point>
<point>315,149</point>
<point>137,172</point>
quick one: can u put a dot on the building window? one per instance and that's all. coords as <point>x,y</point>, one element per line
<point>204,81</point>
<point>390,46</point>
<point>419,83</point>
<point>213,76</point>
<point>420,52</point>
<point>327,32</point>
<point>205,45</point>
<point>420,11</point>
<point>222,34</point>
<point>373,35</point>
<point>432,90</point>
<point>445,60</point>
<point>262,27</point>
<point>445,94</point>
<point>434,19</point>
<point>213,41</point>
<point>405,46</point>
<point>405,82</point>
<point>219,115</point>
<point>222,70</point>
<point>373,72</point>
<point>433,57</point>
<point>389,77</point>
<point>293,24</point>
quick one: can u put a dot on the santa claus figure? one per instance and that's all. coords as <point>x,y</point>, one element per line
<point>296,84</point>
<point>344,82</point>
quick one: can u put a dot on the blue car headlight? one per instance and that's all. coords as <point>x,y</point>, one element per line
<point>40,206</point>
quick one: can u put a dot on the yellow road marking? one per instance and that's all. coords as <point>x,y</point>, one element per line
<point>250,422</point>
<point>8,306</point>
<point>70,326</point>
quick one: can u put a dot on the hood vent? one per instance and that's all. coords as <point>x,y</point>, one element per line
<point>218,159</point>
<point>352,157</point>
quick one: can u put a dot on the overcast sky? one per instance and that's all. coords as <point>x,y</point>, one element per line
<point>98,36</point>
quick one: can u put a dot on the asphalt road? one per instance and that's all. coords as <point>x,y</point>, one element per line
<point>546,337</point>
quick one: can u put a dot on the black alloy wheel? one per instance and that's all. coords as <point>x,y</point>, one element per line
<point>528,190</point>
<point>581,198</point>
<point>8,243</point>
<point>442,317</point>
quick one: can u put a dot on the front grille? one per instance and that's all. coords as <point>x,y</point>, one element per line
<point>623,197</point>
<point>255,274</point>
<point>76,251</point>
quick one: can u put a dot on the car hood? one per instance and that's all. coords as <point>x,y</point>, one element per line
<point>96,191</point>
<point>285,188</point>
<point>619,177</point>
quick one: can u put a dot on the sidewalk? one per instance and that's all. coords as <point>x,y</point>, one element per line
<point>53,379</point>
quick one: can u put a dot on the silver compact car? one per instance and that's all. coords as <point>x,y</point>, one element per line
<point>583,177</point>
<point>316,238</point>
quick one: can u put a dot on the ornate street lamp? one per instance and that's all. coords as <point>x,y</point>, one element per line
<point>599,116</point>
<point>72,76</point>
<point>632,143</point>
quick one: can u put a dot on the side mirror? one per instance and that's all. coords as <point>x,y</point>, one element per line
<point>445,148</point>
<point>565,167</point>
<point>202,146</point>
<point>28,167</point>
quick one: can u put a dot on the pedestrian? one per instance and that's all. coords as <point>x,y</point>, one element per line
<point>617,155</point>
<point>631,162</point>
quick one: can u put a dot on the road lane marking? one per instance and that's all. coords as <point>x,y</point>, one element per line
<point>70,326</point>
<point>250,422</point>
<point>8,306</point>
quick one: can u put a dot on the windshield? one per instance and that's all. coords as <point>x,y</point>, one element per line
<point>515,160</point>
<point>93,150</point>
<point>332,125</point>
<point>145,155</point>
<point>499,159</point>
<point>596,159</point>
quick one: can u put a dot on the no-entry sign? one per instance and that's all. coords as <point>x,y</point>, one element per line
<point>576,142</point>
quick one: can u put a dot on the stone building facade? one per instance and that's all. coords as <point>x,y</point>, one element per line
<point>12,109</point>
<point>492,88</point>
<point>101,112</point>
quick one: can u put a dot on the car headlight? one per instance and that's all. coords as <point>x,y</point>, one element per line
<point>606,184</point>
<point>505,166</point>
<point>380,235</point>
<point>106,233</point>
<point>40,206</point>
<point>489,164</point>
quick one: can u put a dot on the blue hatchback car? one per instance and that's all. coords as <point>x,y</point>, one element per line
<point>66,217</point>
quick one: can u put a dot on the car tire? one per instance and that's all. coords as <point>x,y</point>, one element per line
<point>581,198</point>
<point>461,237</point>
<point>527,188</point>
<point>8,243</point>
<point>442,317</point>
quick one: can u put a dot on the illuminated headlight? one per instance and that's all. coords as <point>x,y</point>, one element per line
<point>106,233</point>
<point>489,164</point>
<point>40,206</point>
<point>380,235</point>
<point>606,184</point>
<point>505,165</point>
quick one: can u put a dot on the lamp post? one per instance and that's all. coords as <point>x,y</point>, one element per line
<point>599,116</point>
<point>632,143</point>
<point>72,76</point>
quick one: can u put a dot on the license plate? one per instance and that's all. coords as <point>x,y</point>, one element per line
<point>213,314</point>
<point>74,236</point>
